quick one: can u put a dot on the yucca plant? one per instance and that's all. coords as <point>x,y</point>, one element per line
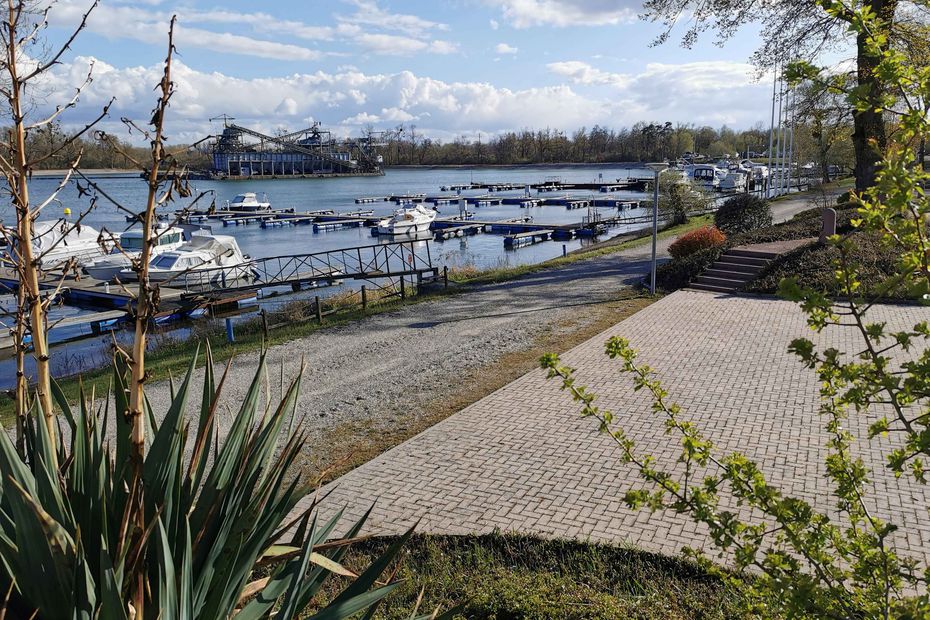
<point>220,540</point>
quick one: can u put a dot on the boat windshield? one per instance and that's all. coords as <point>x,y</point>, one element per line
<point>165,261</point>
<point>169,238</point>
<point>131,242</point>
<point>241,198</point>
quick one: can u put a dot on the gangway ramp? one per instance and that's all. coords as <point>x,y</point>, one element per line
<point>381,260</point>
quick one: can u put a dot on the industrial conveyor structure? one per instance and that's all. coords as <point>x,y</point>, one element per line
<point>241,152</point>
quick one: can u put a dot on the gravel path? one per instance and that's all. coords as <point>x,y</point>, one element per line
<point>390,365</point>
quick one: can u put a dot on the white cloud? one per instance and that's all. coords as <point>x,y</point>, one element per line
<point>397,45</point>
<point>369,13</point>
<point>526,13</point>
<point>704,93</point>
<point>583,73</point>
<point>494,24</point>
<point>503,48</point>
<point>130,22</point>
<point>364,27</point>
<point>707,92</point>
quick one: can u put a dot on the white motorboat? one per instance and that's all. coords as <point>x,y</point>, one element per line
<point>248,202</point>
<point>704,175</point>
<point>407,221</point>
<point>760,172</point>
<point>120,259</point>
<point>736,179</point>
<point>56,242</point>
<point>202,261</point>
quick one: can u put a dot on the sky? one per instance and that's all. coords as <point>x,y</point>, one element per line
<point>450,68</point>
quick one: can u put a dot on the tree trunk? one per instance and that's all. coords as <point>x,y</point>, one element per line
<point>27,261</point>
<point>869,140</point>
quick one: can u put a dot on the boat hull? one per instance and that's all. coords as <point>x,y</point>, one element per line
<point>403,228</point>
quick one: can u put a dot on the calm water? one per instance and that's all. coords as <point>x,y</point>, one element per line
<point>339,194</point>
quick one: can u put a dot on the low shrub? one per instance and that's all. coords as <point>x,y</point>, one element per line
<point>743,213</point>
<point>697,240</point>
<point>812,266</point>
<point>678,273</point>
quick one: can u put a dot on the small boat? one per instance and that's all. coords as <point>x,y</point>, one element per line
<point>204,260</point>
<point>120,259</point>
<point>736,179</point>
<point>704,175</point>
<point>760,172</point>
<point>407,220</point>
<point>56,242</point>
<point>248,202</point>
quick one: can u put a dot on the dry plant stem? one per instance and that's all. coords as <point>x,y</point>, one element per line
<point>27,265</point>
<point>22,388</point>
<point>144,309</point>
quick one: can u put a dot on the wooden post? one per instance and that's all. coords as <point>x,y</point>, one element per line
<point>319,310</point>
<point>265,323</point>
<point>445,276</point>
<point>364,297</point>
<point>403,289</point>
<point>230,334</point>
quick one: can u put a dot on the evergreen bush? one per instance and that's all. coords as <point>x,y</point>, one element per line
<point>743,213</point>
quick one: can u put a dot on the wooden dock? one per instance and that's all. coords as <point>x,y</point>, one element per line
<point>555,185</point>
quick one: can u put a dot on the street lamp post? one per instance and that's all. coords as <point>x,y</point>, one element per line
<point>657,169</point>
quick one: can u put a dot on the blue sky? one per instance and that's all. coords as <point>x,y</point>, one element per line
<point>450,67</point>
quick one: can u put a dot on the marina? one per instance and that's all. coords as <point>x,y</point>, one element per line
<point>303,223</point>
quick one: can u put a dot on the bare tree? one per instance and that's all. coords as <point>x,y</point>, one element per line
<point>20,72</point>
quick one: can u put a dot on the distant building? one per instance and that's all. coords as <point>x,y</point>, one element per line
<point>240,152</point>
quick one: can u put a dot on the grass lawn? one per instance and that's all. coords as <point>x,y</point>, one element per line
<point>515,577</point>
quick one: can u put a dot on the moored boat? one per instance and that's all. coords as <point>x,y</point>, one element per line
<point>111,266</point>
<point>205,260</point>
<point>407,221</point>
<point>248,202</point>
<point>54,243</point>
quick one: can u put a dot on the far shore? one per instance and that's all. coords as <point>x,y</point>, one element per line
<point>103,172</point>
<point>98,172</point>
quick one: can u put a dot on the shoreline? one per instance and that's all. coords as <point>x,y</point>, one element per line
<point>111,172</point>
<point>605,165</point>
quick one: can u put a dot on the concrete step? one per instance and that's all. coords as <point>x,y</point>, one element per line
<point>725,274</point>
<point>744,260</point>
<point>721,282</point>
<point>725,265</point>
<point>711,288</point>
<point>753,254</point>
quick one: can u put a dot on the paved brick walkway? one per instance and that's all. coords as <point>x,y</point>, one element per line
<point>523,460</point>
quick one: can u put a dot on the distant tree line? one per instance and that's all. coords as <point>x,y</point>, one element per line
<point>641,142</point>
<point>822,135</point>
<point>52,140</point>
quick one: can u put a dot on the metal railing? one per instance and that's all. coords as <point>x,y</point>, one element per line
<point>381,260</point>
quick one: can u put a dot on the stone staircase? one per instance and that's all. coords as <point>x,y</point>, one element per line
<point>733,270</point>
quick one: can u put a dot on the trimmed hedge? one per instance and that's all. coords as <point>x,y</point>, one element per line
<point>743,213</point>
<point>699,239</point>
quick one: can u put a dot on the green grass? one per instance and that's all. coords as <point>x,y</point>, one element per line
<point>502,274</point>
<point>514,577</point>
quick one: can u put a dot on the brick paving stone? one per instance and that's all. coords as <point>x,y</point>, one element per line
<point>523,460</point>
